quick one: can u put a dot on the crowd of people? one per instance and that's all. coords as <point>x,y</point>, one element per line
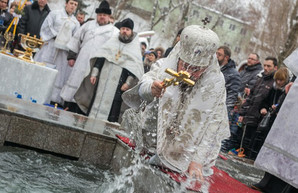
<point>98,61</point>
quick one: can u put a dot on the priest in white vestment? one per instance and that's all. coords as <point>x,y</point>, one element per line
<point>278,156</point>
<point>56,31</point>
<point>114,67</point>
<point>85,43</point>
<point>182,125</point>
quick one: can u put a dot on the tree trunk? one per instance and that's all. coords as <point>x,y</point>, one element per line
<point>292,40</point>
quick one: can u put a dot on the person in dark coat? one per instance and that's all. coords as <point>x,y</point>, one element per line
<point>233,84</point>
<point>5,19</point>
<point>176,40</point>
<point>249,112</point>
<point>249,74</point>
<point>232,77</point>
<point>34,16</point>
<point>270,105</point>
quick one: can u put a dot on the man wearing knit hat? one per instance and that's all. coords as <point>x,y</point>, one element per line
<point>112,71</point>
<point>182,125</point>
<point>85,43</point>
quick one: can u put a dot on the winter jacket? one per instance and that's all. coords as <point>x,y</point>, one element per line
<point>233,83</point>
<point>5,19</point>
<point>32,19</point>
<point>276,97</point>
<point>249,76</point>
<point>255,101</point>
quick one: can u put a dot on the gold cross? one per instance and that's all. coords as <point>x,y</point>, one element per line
<point>118,55</point>
<point>181,76</point>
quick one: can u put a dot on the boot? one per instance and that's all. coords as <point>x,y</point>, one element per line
<point>261,186</point>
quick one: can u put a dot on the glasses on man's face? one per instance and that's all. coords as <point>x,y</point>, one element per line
<point>4,2</point>
<point>251,59</point>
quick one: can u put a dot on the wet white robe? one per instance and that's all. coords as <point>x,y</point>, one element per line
<point>86,42</point>
<point>279,154</point>
<point>188,130</point>
<point>57,31</point>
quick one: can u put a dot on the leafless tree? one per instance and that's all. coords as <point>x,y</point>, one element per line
<point>277,33</point>
<point>119,6</point>
<point>160,13</point>
<point>292,39</point>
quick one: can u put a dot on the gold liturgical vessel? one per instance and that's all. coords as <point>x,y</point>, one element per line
<point>181,76</point>
<point>8,37</point>
<point>30,44</point>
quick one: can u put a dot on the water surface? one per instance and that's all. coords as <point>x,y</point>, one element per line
<point>26,171</point>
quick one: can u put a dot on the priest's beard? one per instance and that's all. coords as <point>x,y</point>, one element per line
<point>125,38</point>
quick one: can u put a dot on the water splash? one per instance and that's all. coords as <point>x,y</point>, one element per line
<point>137,178</point>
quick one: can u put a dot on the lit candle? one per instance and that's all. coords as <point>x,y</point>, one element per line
<point>10,25</point>
<point>23,4</point>
<point>19,6</point>
<point>15,27</point>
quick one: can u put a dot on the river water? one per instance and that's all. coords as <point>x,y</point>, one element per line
<point>26,171</point>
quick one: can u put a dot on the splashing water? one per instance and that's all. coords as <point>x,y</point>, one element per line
<point>26,171</point>
<point>137,178</point>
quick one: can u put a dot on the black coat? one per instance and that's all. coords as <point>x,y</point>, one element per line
<point>255,101</point>
<point>233,83</point>
<point>249,76</point>
<point>275,97</point>
<point>32,19</point>
<point>5,19</point>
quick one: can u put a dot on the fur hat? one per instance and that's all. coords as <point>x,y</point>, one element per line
<point>104,7</point>
<point>127,23</point>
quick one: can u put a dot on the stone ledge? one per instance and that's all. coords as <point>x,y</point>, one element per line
<point>4,123</point>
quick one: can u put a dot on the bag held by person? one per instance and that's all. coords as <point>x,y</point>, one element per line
<point>265,123</point>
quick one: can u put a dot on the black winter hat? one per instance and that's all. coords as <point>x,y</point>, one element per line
<point>104,7</point>
<point>154,53</point>
<point>127,23</point>
<point>118,25</point>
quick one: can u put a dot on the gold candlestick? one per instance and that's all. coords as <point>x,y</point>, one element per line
<point>30,44</point>
<point>8,37</point>
<point>178,77</point>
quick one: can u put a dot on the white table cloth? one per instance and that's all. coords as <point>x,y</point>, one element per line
<point>30,81</point>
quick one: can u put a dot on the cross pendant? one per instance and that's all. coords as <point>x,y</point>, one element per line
<point>118,55</point>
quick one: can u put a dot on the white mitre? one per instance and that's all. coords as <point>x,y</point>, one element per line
<point>198,45</point>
